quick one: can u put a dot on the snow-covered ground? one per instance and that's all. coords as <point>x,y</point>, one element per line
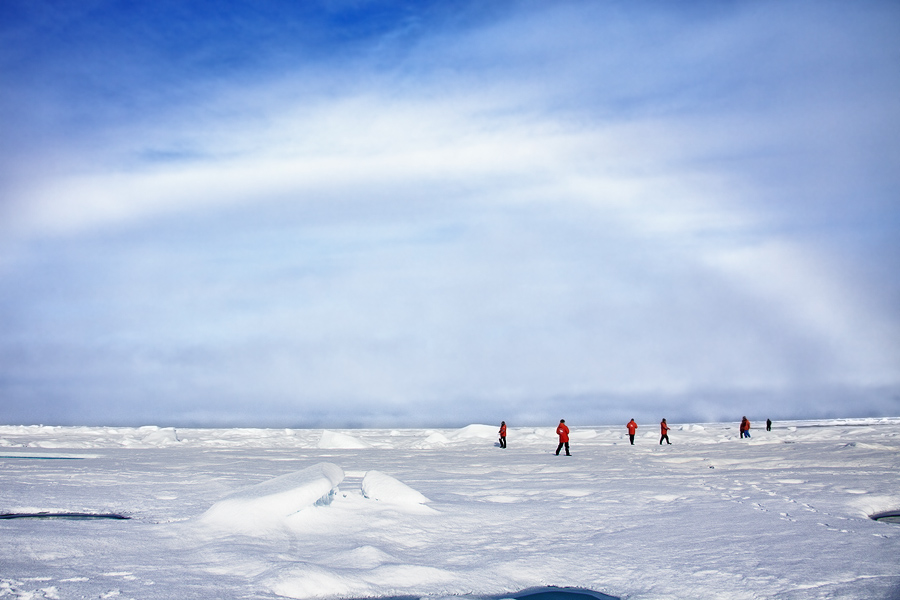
<point>252,513</point>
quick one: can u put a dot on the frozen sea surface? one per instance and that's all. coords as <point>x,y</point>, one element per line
<point>251,513</point>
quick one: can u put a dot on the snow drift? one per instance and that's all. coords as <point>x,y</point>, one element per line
<point>268,502</point>
<point>332,440</point>
<point>378,486</point>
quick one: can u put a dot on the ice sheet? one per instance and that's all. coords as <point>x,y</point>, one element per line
<point>439,513</point>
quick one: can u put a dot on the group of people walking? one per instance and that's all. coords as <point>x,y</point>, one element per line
<point>745,427</point>
<point>663,431</point>
<point>563,432</point>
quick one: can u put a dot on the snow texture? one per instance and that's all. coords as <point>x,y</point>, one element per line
<point>266,514</point>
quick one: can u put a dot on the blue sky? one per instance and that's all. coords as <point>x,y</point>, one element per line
<point>326,214</point>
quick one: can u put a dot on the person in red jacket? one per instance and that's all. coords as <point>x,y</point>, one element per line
<point>563,432</point>
<point>745,427</point>
<point>632,427</point>
<point>503,434</point>
<point>664,430</point>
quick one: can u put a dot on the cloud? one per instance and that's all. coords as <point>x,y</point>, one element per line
<point>490,215</point>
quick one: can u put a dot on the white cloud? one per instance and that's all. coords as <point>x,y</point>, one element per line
<point>461,227</point>
<point>811,295</point>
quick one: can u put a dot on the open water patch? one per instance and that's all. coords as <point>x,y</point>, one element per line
<point>538,593</point>
<point>558,593</point>
<point>890,516</point>
<point>43,457</point>
<point>76,516</point>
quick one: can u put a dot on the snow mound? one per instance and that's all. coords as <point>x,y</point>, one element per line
<point>384,488</point>
<point>585,434</point>
<point>537,434</point>
<point>435,439</point>
<point>486,432</point>
<point>159,436</point>
<point>331,440</point>
<point>870,505</point>
<point>260,504</point>
<point>312,581</point>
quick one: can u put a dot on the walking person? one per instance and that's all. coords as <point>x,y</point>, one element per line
<point>563,432</point>
<point>503,434</point>
<point>664,432</point>
<point>768,424</point>
<point>745,428</point>
<point>632,427</point>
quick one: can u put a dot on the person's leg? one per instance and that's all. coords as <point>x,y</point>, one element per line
<point>558,448</point>
<point>631,437</point>
<point>567,449</point>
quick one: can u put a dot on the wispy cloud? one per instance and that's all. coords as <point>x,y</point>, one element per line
<point>523,210</point>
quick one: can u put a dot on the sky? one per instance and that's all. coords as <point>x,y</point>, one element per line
<point>389,214</point>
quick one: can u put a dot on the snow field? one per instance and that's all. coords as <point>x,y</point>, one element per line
<point>246,513</point>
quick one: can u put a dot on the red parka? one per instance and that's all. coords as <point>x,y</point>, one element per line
<point>632,427</point>
<point>563,432</point>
